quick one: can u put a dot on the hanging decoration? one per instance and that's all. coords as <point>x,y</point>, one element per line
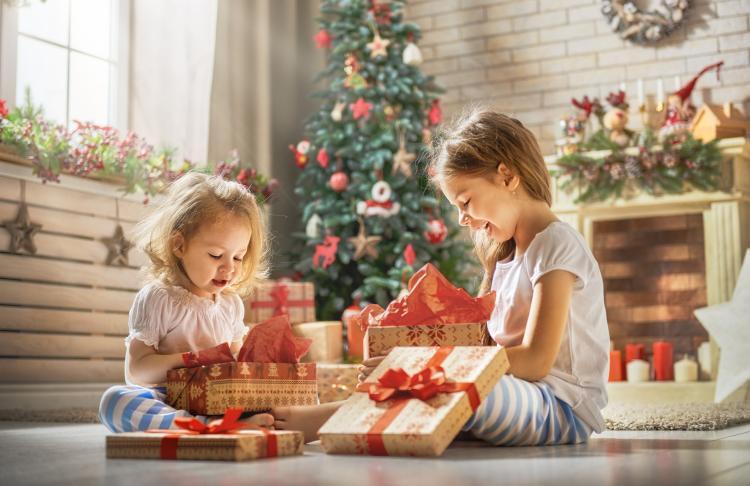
<point>364,245</point>
<point>325,253</point>
<point>21,229</point>
<point>437,231</point>
<point>412,56</point>
<point>300,153</point>
<point>626,19</point>
<point>338,111</point>
<point>322,158</point>
<point>323,39</point>
<point>378,46</point>
<point>409,255</point>
<point>402,159</point>
<point>353,79</point>
<point>312,228</point>
<point>380,12</point>
<point>339,181</point>
<point>380,204</point>
<point>435,116</point>
<point>360,109</point>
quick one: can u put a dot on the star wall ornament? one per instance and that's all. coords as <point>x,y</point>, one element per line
<point>729,325</point>
<point>22,231</point>
<point>117,248</point>
<point>402,160</point>
<point>378,46</point>
<point>364,244</point>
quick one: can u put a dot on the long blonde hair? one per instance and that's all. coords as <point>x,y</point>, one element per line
<point>192,200</point>
<point>475,144</point>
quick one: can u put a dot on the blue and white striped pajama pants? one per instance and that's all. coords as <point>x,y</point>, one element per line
<point>522,413</point>
<point>130,408</point>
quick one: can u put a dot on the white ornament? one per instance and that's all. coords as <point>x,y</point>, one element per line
<point>303,147</point>
<point>312,229</point>
<point>337,112</point>
<point>380,204</point>
<point>412,56</point>
<point>729,325</point>
<point>381,192</point>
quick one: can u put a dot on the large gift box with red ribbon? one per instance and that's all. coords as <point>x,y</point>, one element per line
<point>415,402</point>
<point>220,440</point>
<point>281,297</point>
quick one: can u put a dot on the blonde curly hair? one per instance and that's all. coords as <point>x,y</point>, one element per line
<point>193,200</point>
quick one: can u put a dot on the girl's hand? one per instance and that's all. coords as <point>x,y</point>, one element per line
<point>367,367</point>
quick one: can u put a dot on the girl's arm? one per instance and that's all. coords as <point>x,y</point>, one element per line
<point>548,315</point>
<point>146,366</point>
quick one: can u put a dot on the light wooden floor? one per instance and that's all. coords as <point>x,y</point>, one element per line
<point>74,454</point>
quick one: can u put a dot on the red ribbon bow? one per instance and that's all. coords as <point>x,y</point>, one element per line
<point>228,424</point>
<point>280,295</point>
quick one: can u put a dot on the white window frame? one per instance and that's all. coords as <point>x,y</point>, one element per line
<point>120,39</point>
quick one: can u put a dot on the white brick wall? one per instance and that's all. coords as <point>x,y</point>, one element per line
<point>529,57</point>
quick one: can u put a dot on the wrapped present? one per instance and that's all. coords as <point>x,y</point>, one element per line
<point>270,299</point>
<point>222,440</point>
<point>267,374</point>
<point>336,382</point>
<point>431,313</point>
<point>327,340</point>
<point>415,402</point>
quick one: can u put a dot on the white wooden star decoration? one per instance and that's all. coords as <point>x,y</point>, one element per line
<point>402,160</point>
<point>22,231</point>
<point>378,46</point>
<point>118,247</point>
<point>729,324</point>
<point>363,244</point>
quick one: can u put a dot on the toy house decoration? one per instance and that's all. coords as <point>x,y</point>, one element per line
<point>719,121</point>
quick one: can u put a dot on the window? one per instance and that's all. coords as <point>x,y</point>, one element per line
<point>71,55</point>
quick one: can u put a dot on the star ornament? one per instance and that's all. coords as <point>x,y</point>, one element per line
<point>363,244</point>
<point>323,39</point>
<point>360,109</point>
<point>22,231</point>
<point>117,248</point>
<point>402,160</point>
<point>378,46</point>
<point>729,326</point>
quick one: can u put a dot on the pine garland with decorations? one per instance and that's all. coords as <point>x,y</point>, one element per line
<point>368,213</point>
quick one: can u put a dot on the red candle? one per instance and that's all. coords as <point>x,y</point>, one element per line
<point>615,366</point>
<point>663,362</point>
<point>354,336</point>
<point>633,351</point>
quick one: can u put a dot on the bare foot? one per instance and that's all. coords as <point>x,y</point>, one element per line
<point>307,418</point>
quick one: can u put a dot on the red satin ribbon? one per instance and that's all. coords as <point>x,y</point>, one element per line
<point>228,424</point>
<point>281,302</point>
<point>396,384</point>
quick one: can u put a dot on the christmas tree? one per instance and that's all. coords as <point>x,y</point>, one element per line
<point>369,213</point>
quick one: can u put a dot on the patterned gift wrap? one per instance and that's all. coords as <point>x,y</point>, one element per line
<point>408,426</point>
<point>379,340</point>
<point>336,381</point>
<point>327,341</point>
<point>296,299</point>
<point>241,445</point>
<point>210,390</point>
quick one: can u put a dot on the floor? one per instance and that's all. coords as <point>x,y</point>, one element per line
<point>74,454</point>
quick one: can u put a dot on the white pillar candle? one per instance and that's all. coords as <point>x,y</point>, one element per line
<point>704,360</point>
<point>640,92</point>
<point>676,83</point>
<point>685,370</point>
<point>623,87</point>
<point>638,371</point>
<point>659,91</point>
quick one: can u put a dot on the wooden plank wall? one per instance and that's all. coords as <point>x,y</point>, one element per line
<point>654,274</point>
<point>63,312</point>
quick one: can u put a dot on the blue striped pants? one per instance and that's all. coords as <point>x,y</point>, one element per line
<point>130,408</point>
<point>522,413</point>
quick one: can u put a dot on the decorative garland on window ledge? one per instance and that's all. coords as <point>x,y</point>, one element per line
<point>654,169</point>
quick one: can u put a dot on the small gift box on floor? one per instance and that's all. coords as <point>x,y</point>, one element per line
<point>415,402</point>
<point>282,297</point>
<point>327,340</point>
<point>220,440</point>
<point>432,313</point>
<point>336,381</point>
<point>267,374</point>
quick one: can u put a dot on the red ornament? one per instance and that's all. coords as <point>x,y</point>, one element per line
<point>322,158</point>
<point>323,39</point>
<point>409,255</point>
<point>339,181</point>
<point>3,109</point>
<point>326,251</point>
<point>360,109</point>
<point>435,116</point>
<point>436,231</point>
<point>300,153</point>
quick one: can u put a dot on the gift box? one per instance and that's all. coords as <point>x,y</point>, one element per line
<point>415,402</point>
<point>327,340</point>
<point>196,441</point>
<point>209,390</point>
<point>336,382</point>
<point>270,299</point>
<point>379,340</point>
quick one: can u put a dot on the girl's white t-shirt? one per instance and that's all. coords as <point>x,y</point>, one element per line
<point>579,373</point>
<point>174,320</point>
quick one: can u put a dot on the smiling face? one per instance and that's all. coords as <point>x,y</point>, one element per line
<point>212,257</point>
<point>486,204</point>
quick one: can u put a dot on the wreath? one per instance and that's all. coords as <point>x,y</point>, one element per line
<point>632,24</point>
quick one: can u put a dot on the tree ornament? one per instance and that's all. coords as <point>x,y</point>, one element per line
<point>380,12</point>
<point>378,47</point>
<point>339,181</point>
<point>364,244</point>
<point>337,111</point>
<point>323,39</point>
<point>437,231</point>
<point>118,247</point>
<point>360,109</point>
<point>353,79</point>
<point>380,204</point>
<point>22,231</point>
<point>300,153</point>
<point>325,253</point>
<point>402,159</point>
<point>389,112</point>
<point>435,116</point>
<point>312,228</point>
<point>322,158</point>
<point>412,56</point>
<point>409,255</point>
